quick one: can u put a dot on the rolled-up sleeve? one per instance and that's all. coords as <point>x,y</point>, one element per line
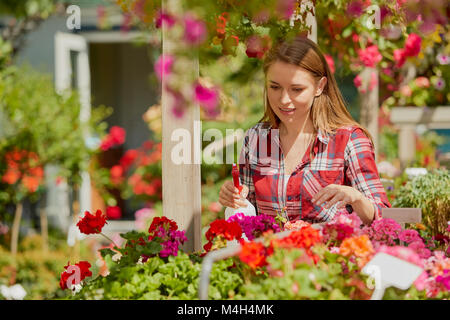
<point>245,172</point>
<point>362,172</point>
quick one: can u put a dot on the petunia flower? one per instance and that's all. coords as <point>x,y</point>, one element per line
<point>195,32</point>
<point>163,66</point>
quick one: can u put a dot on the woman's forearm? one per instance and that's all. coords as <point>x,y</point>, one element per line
<point>364,209</point>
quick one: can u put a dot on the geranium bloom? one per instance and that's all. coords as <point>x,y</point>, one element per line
<point>422,82</point>
<point>195,30</point>
<point>285,8</point>
<point>91,224</point>
<point>409,236</point>
<point>113,212</point>
<point>257,46</point>
<point>171,238</point>
<point>78,273</point>
<point>116,173</point>
<point>164,222</point>
<point>254,226</point>
<point>254,254</point>
<point>207,97</point>
<point>360,247</point>
<point>115,137</point>
<point>163,66</point>
<point>304,238</point>
<point>370,56</point>
<point>399,57</point>
<point>330,62</point>
<point>23,165</point>
<point>296,225</point>
<point>384,231</point>
<point>412,45</point>
<point>128,158</point>
<point>355,8</point>
<point>444,279</point>
<point>357,81</point>
<point>229,230</point>
<point>162,17</point>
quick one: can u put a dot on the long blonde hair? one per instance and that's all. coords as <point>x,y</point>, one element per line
<point>329,111</point>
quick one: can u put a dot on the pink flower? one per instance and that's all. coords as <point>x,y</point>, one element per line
<point>141,217</point>
<point>355,8</point>
<point>370,56</point>
<point>419,247</point>
<point>412,45</point>
<point>409,236</point>
<point>443,59</point>
<point>285,8</point>
<point>215,207</point>
<point>330,62</point>
<point>163,66</point>
<point>444,279</point>
<point>298,224</point>
<point>208,98</point>
<point>165,18</point>
<point>405,91</point>
<point>179,103</point>
<point>399,57</point>
<point>384,231</point>
<point>422,82</point>
<point>195,30</point>
<point>357,81</point>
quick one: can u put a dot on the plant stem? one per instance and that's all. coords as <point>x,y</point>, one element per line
<point>109,239</point>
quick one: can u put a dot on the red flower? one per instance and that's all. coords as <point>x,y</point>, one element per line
<point>116,173</point>
<point>77,273</point>
<point>164,222</point>
<point>115,137</point>
<point>254,254</point>
<point>91,224</point>
<point>304,238</point>
<point>113,213</point>
<point>128,158</point>
<point>220,227</point>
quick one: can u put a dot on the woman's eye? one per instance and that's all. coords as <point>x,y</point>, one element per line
<point>274,87</point>
<point>297,89</point>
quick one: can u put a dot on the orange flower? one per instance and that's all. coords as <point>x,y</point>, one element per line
<point>253,254</point>
<point>359,247</point>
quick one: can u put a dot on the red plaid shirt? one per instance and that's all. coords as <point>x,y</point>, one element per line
<point>346,158</point>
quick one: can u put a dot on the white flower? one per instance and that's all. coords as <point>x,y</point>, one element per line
<point>15,292</point>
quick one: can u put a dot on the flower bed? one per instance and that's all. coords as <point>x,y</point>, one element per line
<point>312,262</point>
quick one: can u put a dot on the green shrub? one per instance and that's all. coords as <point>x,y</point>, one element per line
<point>431,193</point>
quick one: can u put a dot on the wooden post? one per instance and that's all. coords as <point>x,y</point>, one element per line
<point>370,105</point>
<point>16,229</point>
<point>181,183</point>
<point>44,229</point>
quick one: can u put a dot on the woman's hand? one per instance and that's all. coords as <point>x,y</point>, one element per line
<point>334,193</point>
<point>229,195</point>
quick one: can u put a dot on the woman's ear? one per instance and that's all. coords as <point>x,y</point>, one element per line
<point>321,86</point>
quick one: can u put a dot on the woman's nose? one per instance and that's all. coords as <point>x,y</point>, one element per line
<point>284,99</point>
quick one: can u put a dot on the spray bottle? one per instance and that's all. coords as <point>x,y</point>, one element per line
<point>249,210</point>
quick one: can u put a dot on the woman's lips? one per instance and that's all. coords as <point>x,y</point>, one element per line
<point>287,111</point>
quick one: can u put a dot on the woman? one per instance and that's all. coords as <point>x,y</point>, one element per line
<point>307,154</point>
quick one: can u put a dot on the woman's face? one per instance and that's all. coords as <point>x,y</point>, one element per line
<point>291,90</point>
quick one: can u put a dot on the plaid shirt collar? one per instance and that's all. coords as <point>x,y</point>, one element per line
<point>323,136</point>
